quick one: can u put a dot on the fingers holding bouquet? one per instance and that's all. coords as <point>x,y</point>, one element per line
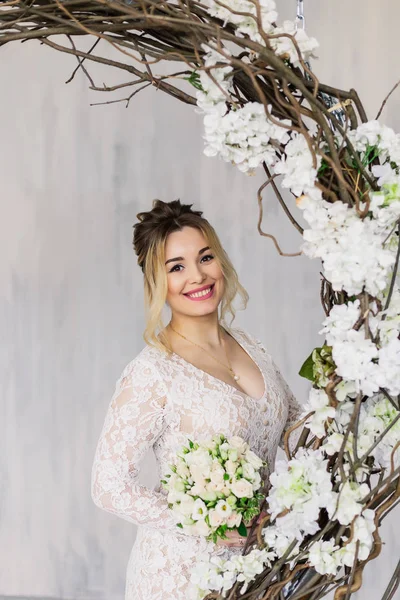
<point>213,489</point>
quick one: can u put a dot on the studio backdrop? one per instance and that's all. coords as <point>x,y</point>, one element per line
<point>73,177</point>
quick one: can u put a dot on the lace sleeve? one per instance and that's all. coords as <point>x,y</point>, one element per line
<point>134,420</point>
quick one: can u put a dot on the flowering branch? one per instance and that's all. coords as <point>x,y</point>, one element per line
<point>262,106</point>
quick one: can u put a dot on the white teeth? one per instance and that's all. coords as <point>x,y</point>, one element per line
<point>200,294</point>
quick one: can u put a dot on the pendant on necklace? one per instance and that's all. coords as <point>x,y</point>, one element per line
<point>236,377</point>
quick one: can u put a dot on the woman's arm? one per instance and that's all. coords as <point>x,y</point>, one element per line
<point>134,420</point>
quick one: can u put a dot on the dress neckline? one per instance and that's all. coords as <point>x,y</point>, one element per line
<point>224,383</point>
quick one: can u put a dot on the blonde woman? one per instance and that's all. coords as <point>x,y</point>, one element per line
<point>195,377</point>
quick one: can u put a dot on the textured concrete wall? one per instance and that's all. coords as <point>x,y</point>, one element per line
<point>73,178</point>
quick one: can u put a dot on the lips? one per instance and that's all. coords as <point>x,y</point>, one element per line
<point>202,297</point>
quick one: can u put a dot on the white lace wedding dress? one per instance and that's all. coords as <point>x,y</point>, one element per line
<point>159,402</point>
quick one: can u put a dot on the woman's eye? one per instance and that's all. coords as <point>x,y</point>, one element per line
<point>174,268</point>
<point>177,270</point>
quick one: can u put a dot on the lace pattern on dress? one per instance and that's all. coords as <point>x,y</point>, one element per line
<point>159,402</point>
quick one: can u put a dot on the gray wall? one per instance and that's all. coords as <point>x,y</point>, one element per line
<point>73,178</point>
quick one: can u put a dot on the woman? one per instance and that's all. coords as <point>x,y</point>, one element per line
<point>196,377</point>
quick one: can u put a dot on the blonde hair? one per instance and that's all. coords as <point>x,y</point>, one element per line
<point>149,239</point>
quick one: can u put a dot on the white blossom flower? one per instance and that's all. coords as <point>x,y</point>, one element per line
<point>296,165</point>
<point>302,485</point>
<point>340,320</point>
<point>279,542</point>
<point>245,24</point>
<point>318,402</point>
<point>323,558</point>
<point>217,574</point>
<point>242,136</point>
<point>199,509</point>
<point>283,46</point>
<point>348,503</point>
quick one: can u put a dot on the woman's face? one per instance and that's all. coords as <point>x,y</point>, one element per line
<point>195,279</point>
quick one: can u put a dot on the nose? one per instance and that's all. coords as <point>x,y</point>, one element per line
<point>196,274</point>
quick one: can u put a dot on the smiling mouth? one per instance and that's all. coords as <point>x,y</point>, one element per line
<point>203,295</point>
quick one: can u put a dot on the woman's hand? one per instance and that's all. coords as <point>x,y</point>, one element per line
<point>235,540</point>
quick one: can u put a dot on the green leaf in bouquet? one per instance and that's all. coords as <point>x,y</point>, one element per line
<point>219,532</point>
<point>242,529</point>
<point>213,536</point>
<point>191,444</point>
<point>226,476</point>
<point>164,482</point>
<point>250,512</point>
<point>180,525</point>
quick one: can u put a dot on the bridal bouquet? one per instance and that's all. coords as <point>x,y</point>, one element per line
<point>213,486</point>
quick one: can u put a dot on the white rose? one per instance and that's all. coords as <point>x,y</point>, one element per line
<point>217,473</point>
<point>256,481</point>
<point>231,466</point>
<point>200,528</point>
<point>199,472</point>
<point>209,495</point>
<point>242,488</point>
<point>248,471</point>
<point>182,470</point>
<point>238,443</point>
<point>185,507</point>
<point>200,457</point>
<point>217,487</point>
<point>234,520</point>
<point>233,454</point>
<point>216,519</point>
<point>187,521</point>
<point>253,459</point>
<point>199,489</point>
<point>174,496</point>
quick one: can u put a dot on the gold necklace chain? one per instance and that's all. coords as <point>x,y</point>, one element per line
<point>234,375</point>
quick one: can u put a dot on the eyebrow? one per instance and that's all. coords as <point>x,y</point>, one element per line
<point>181,257</point>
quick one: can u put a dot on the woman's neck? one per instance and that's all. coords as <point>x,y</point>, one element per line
<point>204,330</point>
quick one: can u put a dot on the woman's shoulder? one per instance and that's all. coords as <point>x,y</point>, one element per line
<point>245,335</point>
<point>149,358</point>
